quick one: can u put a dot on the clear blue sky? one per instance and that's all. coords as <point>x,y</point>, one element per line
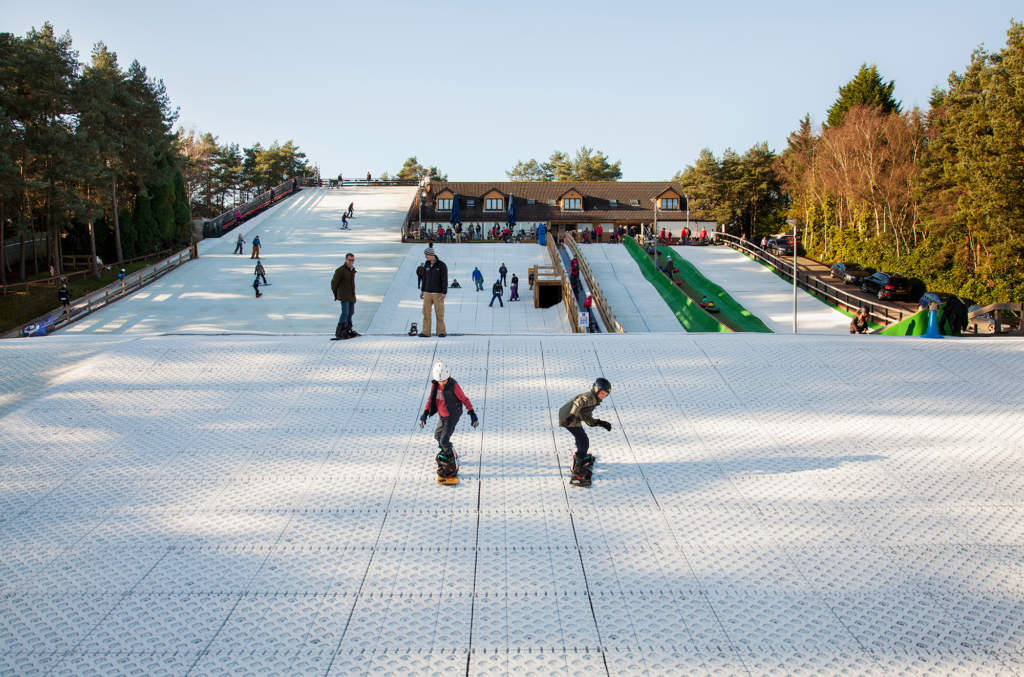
<point>472,88</point>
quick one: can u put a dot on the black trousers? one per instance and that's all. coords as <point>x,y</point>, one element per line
<point>443,433</point>
<point>582,441</point>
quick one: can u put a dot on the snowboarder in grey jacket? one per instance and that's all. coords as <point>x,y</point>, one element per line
<point>572,415</point>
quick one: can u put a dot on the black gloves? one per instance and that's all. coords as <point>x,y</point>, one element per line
<point>423,419</point>
<point>604,424</point>
<point>473,420</point>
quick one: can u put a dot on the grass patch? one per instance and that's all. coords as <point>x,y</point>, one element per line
<point>19,307</point>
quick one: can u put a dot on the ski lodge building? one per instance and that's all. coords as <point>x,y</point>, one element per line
<point>563,206</point>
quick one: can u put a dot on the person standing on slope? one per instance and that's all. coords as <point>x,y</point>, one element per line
<point>433,291</point>
<point>343,286</point>
<point>446,399</point>
<point>572,415</point>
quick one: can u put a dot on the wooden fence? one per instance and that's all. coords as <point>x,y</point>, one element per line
<point>568,298</point>
<point>90,303</point>
<point>611,324</point>
<point>55,280</point>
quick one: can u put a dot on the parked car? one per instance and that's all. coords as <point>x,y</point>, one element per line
<point>985,323</point>
<point>887,286</point>
<point>780,246</point>
<point>850,273</point>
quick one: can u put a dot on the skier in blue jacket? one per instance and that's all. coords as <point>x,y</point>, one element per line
<point>478,277</point>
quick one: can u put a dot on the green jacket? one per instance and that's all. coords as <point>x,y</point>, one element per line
<point>581,408</point>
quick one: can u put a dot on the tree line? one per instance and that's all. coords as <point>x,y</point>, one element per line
<point>87,158</point>
<point>220,175</point>
<point>586,165</point>
<point>936,194</point>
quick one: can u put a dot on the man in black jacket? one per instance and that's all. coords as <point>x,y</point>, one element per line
<point>343,286</point>
<point>433,291</point>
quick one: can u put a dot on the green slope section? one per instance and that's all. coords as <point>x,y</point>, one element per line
<point>733,313</point>
<point>915,325</point>
<point>689,314</point>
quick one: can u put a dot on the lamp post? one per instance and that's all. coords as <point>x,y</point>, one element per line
<point>794,276</point>
<point>687,213</point>
<point>655,233</point>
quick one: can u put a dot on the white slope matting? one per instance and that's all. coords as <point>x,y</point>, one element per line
<point>764,293</point>
<point>468,311</point>
<point>636,303</point>
<point>301,248</point>
<point>763,504</point>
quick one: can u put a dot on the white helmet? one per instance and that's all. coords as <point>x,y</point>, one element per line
<point>440,371</point>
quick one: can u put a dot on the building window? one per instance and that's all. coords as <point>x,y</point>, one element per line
<point>670,203</point>
<point>471,202</point>
<point>613,203</point>
<point>444,204</point>
<point>572,204</point>
<point>494,204</point>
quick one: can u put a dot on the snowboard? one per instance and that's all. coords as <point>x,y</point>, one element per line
<point>448,480</point>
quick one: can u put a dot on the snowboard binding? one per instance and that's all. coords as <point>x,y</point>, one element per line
<point>447,467</point>
<point>582,471</point>
<point>413,331</point>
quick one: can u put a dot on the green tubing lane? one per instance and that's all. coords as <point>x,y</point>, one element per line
<point>690,315</point>
<point>915,325</point>
<point>740,318</point>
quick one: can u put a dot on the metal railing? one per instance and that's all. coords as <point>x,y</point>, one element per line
<point>222,223</point>
<point>879,312</point>
<point>114,291</point>
<point>314,182</point>
<point>603,307</point>
<point>568,298</point>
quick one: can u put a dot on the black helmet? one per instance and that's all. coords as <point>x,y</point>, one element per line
<point>602,384</point>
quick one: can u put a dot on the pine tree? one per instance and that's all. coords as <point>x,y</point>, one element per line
<point>866,88</point>
<point>182,213</point>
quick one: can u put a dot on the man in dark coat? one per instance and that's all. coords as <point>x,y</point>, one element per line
<point>433,291</point>
<point>343,285</point>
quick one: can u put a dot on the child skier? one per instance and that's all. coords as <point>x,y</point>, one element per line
<point>571,415</point>
<point>446,399</point>
<point>496,290</point>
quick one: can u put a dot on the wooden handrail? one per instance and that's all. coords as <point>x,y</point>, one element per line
<point>603,307</point>
<point>568,298</point>
<point>53,280</point>
<point>114,291</point>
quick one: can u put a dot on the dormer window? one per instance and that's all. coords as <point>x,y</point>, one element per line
<point>572,204</point>
<point>670,203</point>
<point>613,203</point>
<point>444,204</point>
<point>494,204</point>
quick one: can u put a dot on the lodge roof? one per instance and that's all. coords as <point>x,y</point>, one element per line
<point>632,200</point>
